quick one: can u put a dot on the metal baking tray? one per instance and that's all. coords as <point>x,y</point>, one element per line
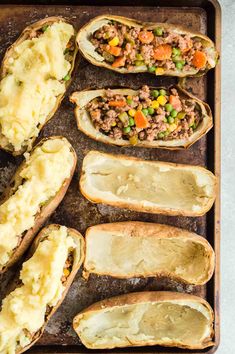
<point>75,211</point>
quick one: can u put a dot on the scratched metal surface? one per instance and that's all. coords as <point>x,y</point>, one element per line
<point>75,211</point>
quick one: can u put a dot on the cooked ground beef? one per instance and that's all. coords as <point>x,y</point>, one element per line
<point>67,268</point>
<point>158,49</point>
<point>149,115</point>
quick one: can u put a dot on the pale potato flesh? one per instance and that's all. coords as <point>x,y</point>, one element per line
<point>146,184</point>
<point>119,254</point>
<point>176,323</point>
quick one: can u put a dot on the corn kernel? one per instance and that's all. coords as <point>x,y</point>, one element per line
<point>66,272</point>
<point>159,71</point>
<point>172,127</point>
<point>114,124</point>
<point>133,140</point>
<point>114,42</point>
<point>162,100</point>
<point>155,104</point>
<point>131,112</point>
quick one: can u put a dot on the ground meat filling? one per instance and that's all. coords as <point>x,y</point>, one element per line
<point>149,115</point>
<point>67,268</point>
<point>158,49</point>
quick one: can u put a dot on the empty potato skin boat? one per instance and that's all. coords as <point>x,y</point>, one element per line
<point>140,249</point>
<point>147,186</point>
<point>88,50</point>
<point>47,208</point>
<point>143,310</point>
<point>29,33</point>
<point>85,124</point>
<point>75,259</point>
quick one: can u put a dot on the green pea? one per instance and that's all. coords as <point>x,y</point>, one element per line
<point>174,113</point>
<point>176,51</point>
<point>139,63</point>
<point>165,120</point>
<point>66,50</point>
<point>161,135</point>
<point>150,110</point>
<point>179,65</point>
<point>181,115</point>
<point>129,101</point>
<point>155,93</point>
<point>171,120</point>
<point>131,122</point>
<point>176,59</point>
<point>151,69</point>
<point>194,126</point>
<point>106,35</point>
<point>168,107</point>
<point>44,28</point>
<point>162,92</point>
<point>145,111</point>
<point>67,77</point>
<point>123,117</point>
<point>158,31</point>
<point>139,56</point>
<point>127,130</point>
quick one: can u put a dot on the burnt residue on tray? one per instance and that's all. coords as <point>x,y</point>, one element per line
<point>75,211</point>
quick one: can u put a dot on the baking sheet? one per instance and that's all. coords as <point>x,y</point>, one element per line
<point>75,211</point>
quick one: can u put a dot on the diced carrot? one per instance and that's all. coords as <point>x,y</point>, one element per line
<point>199,59</point>
<point>120,61</point>
<point>146,37</point>
<point>163,52</point>
<point>117,103</point>
<point>116,51</point>
<point>175,102</point>
<point>140,120</point>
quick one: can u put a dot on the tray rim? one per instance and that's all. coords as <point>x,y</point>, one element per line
<point>61,349</point>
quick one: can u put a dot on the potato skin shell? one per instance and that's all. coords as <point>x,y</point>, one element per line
<point>27,34</point>
<point>149,296</point>
<point>45,211</point>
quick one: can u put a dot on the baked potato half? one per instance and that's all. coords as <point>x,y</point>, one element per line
<point>138,119</point>
<point>140,249</point>
<point>34,192</point>
<point>147,186</point>
<point>45,277</point>
<point>35,73</point>
<point>147,318</point>
<point>129,46</point>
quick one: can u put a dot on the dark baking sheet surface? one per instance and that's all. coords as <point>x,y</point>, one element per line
<point>75,211</point>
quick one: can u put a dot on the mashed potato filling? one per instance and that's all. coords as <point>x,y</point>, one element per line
<point>29,91</point>
<point>43,175</point>
<point>24,309</point>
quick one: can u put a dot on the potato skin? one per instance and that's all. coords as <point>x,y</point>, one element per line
<point>158,231</point>
<point>28,33</point>
<point>88,29</point>
<point>149,296</point>
<point>138,207</point>
<point>45,211</point>
<point>204,127</point>
<point>76,265</point>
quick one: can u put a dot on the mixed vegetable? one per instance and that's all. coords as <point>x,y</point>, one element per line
<point>156,114</point>
<point>158,49</point>
<point>67,268</point>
